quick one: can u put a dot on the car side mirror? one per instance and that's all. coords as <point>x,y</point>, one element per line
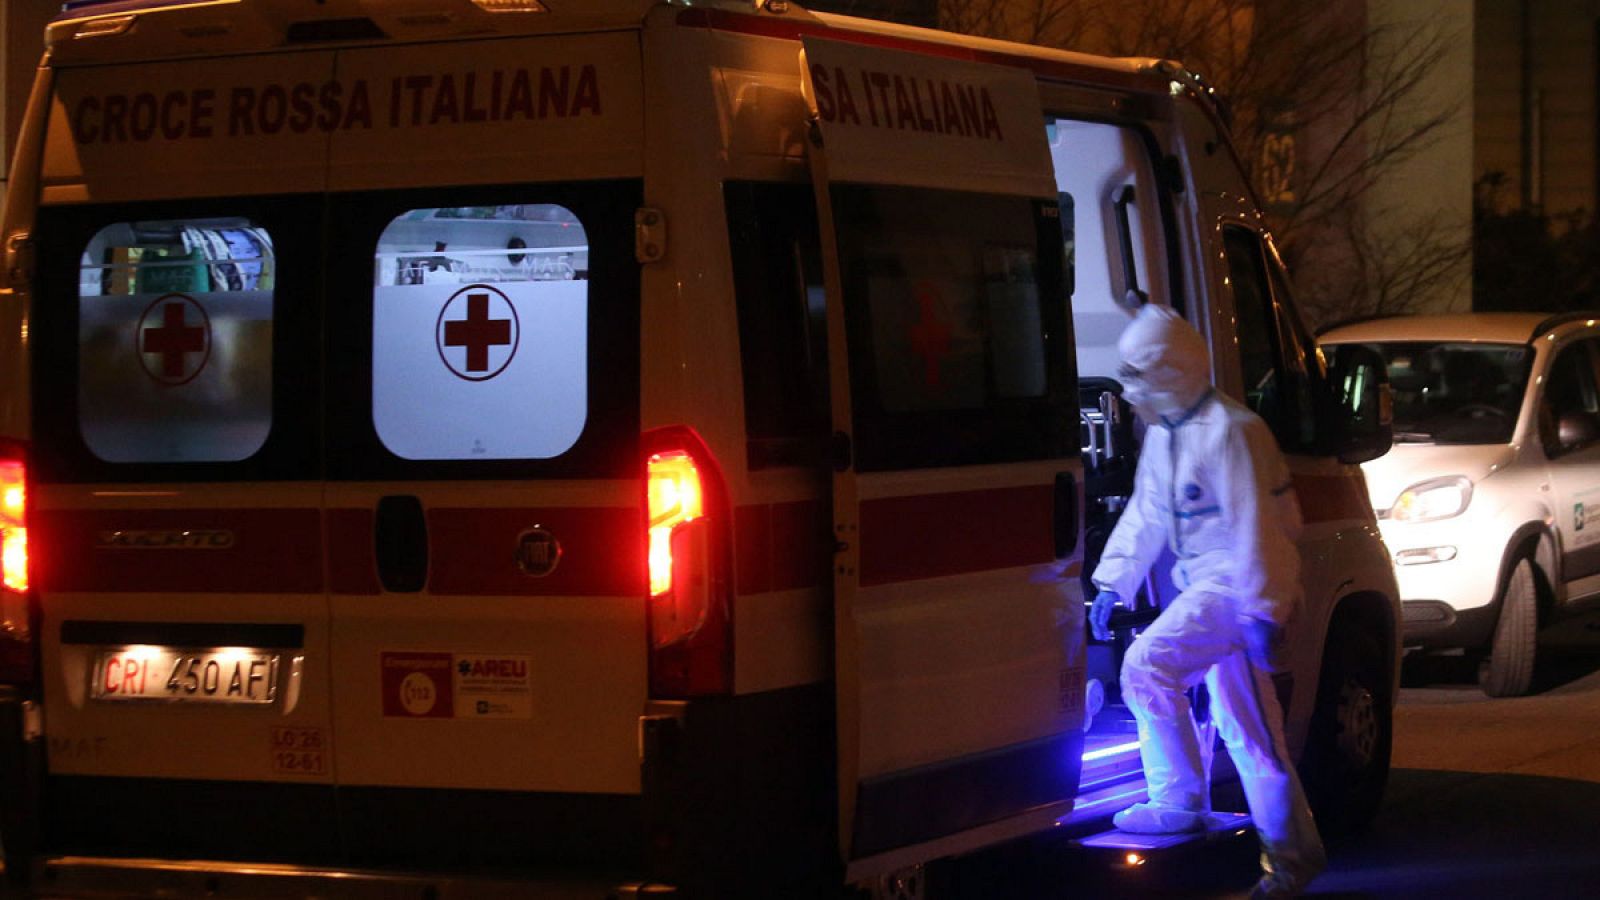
<point>1360,403</point>
<point>1574,429</point>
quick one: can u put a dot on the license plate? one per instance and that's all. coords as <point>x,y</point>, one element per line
<point>229,675</point>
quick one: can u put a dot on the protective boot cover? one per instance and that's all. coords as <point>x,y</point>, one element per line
<point>1287,871</point>
<point>1154,818</point>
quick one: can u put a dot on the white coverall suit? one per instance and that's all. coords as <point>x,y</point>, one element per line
<point>1212,484</point>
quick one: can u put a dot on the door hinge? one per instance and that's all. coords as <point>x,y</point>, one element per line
<point>19,261</point>
<point>32,721</point>
<point>649,235</point>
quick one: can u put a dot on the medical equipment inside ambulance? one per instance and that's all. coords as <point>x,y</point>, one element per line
<point>464,245</point>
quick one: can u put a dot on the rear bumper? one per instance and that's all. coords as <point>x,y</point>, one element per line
<point>319,826</point>
<point>738,800</point>
<point>86,877</point>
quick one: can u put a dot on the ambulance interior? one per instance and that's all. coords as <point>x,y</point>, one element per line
<point>482,245</point>
<point>1115,243</point>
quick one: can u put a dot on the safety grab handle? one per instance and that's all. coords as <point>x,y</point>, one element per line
<point>1133,297</point>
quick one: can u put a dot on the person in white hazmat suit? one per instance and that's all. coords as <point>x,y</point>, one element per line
<point>1213,486</point>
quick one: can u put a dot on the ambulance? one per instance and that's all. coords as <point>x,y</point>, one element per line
<point>610,447</point>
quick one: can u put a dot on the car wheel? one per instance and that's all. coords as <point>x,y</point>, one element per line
<point>1508,670</point>
<point>1345,767</point>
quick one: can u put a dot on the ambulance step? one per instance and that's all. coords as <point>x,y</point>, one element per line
<point>1219,826</point>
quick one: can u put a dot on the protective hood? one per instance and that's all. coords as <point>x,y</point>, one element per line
<point>1165,368</point>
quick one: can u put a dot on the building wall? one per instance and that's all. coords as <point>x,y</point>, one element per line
<point>1427,197</point>
<point>1564,72</point>
<point>1535,87</point>
<point>1497,96</point>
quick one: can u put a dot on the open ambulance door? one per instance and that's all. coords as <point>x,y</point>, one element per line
<point>958,613</point>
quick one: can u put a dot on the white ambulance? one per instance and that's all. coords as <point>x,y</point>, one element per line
<point>609,445</point>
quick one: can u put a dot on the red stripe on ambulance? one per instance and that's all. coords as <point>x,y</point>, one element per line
<point>937,535</point>
<point>474,551</point>
<point>243,550</point>
<point>352,566</point>
<point>781,546</point>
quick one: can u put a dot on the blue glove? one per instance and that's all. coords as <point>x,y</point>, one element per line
<point>1263,643</point>
<point>1100,614</point>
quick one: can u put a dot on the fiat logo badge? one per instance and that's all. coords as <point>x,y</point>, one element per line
<point>538,552</point>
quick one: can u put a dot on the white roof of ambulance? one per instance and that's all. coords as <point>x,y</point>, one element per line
<point>158,29</point>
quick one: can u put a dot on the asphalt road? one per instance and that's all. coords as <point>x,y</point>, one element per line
<point>1487,799</point>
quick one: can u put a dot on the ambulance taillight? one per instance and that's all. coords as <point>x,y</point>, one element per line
<point>691,633</point>
<point>16,627</point>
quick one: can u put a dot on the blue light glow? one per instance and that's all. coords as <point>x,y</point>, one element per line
<point>1113,750</point>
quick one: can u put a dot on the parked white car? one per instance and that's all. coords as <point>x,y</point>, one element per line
<point>1490,500</point>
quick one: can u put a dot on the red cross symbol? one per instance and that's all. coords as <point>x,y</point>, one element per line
<point>930,336</point>
<point>173,340</point>
<point>477,333</point>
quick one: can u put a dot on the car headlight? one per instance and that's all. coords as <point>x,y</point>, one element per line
<point>1436,498</point>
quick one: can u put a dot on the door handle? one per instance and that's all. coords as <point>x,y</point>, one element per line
<point>1066,514</point>
<point>400,544</point>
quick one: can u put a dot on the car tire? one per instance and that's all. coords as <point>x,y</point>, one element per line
<point>1345,767</point>
<point>1508,670</point>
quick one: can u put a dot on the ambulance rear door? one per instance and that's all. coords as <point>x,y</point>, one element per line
<point>486,532</point>
<point>959,625</point>
<point>176,462</point>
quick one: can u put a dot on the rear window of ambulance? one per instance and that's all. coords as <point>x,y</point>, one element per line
<point>434,333</point>
<point>484,331</point>
<point>175,340</point>
<point>178,340</point>
<point>493,300</point>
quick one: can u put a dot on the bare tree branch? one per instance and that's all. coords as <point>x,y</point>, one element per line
<point>1344,89</point>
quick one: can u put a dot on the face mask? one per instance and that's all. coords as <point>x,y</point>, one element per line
<point>1149,404</point>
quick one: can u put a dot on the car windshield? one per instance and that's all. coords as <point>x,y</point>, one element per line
<point>1455,392</point>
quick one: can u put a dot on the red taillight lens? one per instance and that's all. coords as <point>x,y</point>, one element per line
<point>691,636</point>
<point>13,527</point>
<point>16,606</point>
<point>676,498</point>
